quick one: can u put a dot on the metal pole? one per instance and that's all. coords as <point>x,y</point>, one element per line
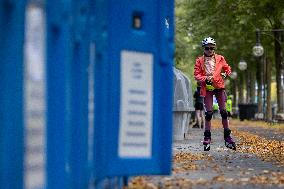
<point>264,86</point>
<point>257,32</point>
<point>262,77</point>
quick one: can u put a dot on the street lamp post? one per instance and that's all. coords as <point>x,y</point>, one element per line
<point>258,51</point>
<point>242,65</point>
<point>234,75</point>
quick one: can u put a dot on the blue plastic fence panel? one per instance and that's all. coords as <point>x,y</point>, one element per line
<point>79,97</point>
<point>11,93</point>
<point>133,87</point>
<point>58,93</point>
<point>67,94</point>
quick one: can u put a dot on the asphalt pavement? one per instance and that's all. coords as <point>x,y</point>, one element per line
<point>223,168</point>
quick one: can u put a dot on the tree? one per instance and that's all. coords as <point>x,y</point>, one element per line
<point>233,24</point>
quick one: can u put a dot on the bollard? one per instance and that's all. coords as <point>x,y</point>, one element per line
<point>11,93</point>
<point>133,87</point>
<point>183,104</point>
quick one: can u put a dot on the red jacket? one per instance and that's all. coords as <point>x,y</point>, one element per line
<point>200,75</point>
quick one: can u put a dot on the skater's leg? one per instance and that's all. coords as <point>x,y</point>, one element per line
<point>208,103</point>
<point>207,140</point>
<point>221,99</point>
<point>229,143</point>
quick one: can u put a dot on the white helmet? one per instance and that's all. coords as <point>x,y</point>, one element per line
<point>208,40</point>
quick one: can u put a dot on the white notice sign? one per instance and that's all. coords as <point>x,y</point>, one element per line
<point>136,93</point>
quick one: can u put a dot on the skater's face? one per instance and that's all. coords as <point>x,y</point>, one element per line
<point>209,49</point>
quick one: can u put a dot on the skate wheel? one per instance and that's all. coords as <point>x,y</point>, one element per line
<point>206,147</point>
<point>231,146</point>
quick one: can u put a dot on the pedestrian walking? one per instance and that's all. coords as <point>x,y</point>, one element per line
<point>208,70</point>
<point>199,108</point>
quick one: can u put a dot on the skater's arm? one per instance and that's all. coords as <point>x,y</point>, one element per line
<point>198,72</point>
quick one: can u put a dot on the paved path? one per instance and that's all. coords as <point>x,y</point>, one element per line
<point>220,167</point>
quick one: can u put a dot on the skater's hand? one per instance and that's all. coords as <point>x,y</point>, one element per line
<point>208,82</point>
<point>224,75</point>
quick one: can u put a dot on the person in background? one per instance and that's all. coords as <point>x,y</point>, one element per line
<point>199,108</point>
<point>208,71</point>
<point>215,107</point>
<point>229,104</point>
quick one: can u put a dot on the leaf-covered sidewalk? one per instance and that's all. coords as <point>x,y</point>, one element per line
<point>257,163</point>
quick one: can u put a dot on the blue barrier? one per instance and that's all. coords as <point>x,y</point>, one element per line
<point>132,46</point>
<point>11,93</point>
<point>79,97</point>
<point>67,91</point>
<point>133,87</point>
<point>58,72</point>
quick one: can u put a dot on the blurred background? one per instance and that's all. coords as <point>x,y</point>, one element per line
<point>238,27</point>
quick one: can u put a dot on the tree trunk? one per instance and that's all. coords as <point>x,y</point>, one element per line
<point>279,71</point>
<point>259,85</point>
<point>241,88</point>
<point>252,85</point>
<point>247,86</point>
<point>268,85</point>
<point>234,92</point>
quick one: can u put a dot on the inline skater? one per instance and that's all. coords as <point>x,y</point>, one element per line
<point>208,71</point>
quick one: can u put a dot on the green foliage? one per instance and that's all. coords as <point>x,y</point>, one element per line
<point>231,22</point>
